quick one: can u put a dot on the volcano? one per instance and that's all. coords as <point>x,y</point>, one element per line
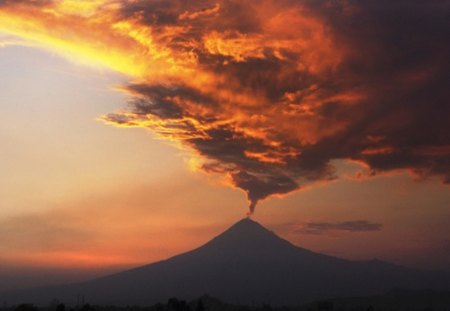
<point>245,264</point>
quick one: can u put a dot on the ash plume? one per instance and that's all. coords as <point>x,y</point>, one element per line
<point>267,93</point>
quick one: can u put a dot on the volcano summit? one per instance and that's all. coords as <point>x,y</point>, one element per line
<point>245,264</point>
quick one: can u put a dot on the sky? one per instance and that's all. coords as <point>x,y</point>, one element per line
<point>135,130</point>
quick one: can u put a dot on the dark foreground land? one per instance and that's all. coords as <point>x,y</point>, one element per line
<point>396,300</point>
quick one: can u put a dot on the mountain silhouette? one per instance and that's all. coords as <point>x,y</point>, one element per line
<point>245,264</point>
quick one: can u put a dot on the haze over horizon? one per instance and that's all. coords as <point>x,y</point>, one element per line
<point>135,130</point>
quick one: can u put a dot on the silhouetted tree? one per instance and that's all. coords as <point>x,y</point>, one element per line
<point>172,304</point>
<point>87,307</point>
<point>159,307</point>
<point>200,306</point>
<point>26,307</point>
<point>325,305</point>
<point>266,307</point>
<point>61,307</point>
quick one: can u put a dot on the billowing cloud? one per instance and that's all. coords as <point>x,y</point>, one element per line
<point>347,226</point>
<point>267,93</point>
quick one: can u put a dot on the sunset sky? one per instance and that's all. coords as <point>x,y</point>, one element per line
<point>138,129</point>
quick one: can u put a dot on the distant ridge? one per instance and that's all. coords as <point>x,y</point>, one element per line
<point>245,264</point>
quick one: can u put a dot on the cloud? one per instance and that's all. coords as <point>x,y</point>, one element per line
<point>346,226</point>
<point>6,41</point>
<point>37,231</point>
<point>268,94</point>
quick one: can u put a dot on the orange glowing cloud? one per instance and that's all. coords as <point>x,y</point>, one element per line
<point>266,93</point>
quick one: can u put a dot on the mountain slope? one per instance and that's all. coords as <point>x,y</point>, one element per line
<point>245,264</point>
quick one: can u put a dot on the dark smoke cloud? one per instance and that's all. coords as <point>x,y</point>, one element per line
<point>295,84</point>
<point>268,93</point>
<point>348,226</point>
